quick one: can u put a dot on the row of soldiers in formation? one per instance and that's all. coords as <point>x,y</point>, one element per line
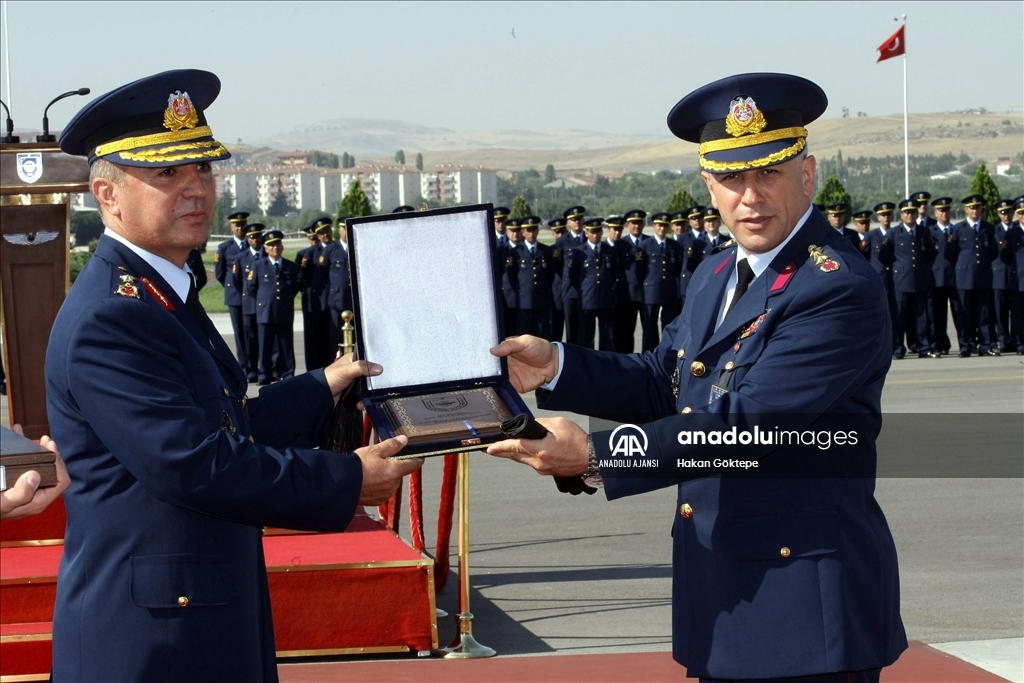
<point>260,287</point>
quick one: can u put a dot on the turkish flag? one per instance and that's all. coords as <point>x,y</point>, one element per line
<point>894,46</point>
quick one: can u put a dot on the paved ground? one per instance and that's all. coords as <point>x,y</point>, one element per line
<point>553,573</point>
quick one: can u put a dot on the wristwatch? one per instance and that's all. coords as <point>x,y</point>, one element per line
<point>592,477</point>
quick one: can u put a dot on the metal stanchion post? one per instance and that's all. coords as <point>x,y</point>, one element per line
<point>465,645</point>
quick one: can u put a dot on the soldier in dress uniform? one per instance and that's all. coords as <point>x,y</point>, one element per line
<point>921,200</point>
<point>614,226</point>
<point>977,248</point>
<point>594,269</point>
<point>339,297</point>
<point>1002,274</point>
<point>944,298</point>
<point>315,272</point>
<point>509,270</point>
<point>246,262</point>
<point>557,227</point>
<point>880,253</point>
<point>567,245</point>
<point>311,342</point>
<point>695,216</point>
<point>913,255</point>
<point>535,272</point>
<point>692,246</point>
<point>663,260</point>
<point>862,224</point>
<point>711,221</point>
<point>500,216</point>
<point>274,284</point>
<point>229,275</point>
<point>837,219</point>
<point>633,270</point>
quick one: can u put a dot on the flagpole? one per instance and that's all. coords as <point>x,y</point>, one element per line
<point>906,128</point>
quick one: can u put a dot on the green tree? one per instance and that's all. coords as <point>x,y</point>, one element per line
<point>986,187</point>
<point>419,161</point>
<point>549,173</point>
<point>400,157</point>
<point>86,226</point>
<point>318,159</point>
<point>834,193</point>
<point>347,161</point>
<point>355,203</point>
<point>280,207</point>
<point>225,202</point>
<point>681,201</point>
<point>332,160</point>
<point>520,208</point>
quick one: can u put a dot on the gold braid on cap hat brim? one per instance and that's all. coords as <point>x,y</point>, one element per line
<point>749,141</point>
<point>163,154</point>
<point>781,155</point>
<point>154,139</point>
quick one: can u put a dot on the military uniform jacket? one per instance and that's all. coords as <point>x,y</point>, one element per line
<point>302,258</point>
<point>340,294</point>
<point>944,266</point>
<point>274,291</point>
<point>173,473</point>
<point>693,248</point>
<point>534,274</point>
<point>314,269</point>
<point>1002,264</point>
<point>508,272</point>
<point>1015,242</point>
<point>913,256</point>
<point>557,266</point>
<point>977,249</point>
<point>246,264</point>
<point>880,254</point>
<point>227,272</point>
<point>661,279</point>
<point>805,342</point>
<point>567,246</point>
<point>593,272</point>
<point>633,265</point>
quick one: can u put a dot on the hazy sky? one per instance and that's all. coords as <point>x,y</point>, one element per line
<point>611,67</point>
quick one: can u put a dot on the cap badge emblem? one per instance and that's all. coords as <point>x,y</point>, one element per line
<point>744,118</point>
<point>180,112</point>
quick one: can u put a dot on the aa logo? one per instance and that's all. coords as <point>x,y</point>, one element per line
<point>629,441</point>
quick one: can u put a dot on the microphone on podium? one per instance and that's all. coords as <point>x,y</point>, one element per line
<point>9,136</point>
<point>46,137</point>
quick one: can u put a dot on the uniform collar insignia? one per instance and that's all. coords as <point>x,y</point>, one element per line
<point>826,264</point>
<point>744,118</point>
<point>155,292</point>
<point>128,287</point>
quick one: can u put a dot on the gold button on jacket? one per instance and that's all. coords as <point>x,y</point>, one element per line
<point>686,511</point>
<point>785,552</point>
<point>697,368</point>
<point>183,601</point>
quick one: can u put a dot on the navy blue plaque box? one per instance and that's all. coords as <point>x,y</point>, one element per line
<point>427,300</point>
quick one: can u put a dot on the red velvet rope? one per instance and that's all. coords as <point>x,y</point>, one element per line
<point>442,565</point>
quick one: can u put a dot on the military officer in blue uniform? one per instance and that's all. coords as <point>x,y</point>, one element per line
<point>568,244</point>
<point>837,214</point>
<point>274,284</point>
<point>250,327</point>
<point>1002,276</point>
<point>921,200</point>
<point>315,273</point>
<point>711,222</point>
<point>879,247</point>
<point>695,216</point>
<point>614,227</point>
<point>632,269</point>
<point>944,298</point>
<point>534,272</point>
<point>311,341</point>
<point>862,224</point>
<point>593,271</point>
<point>977,248</point>
<point>174,470</point>
<point>692,248</point>
<point>663,260</point>
<point>500,216</point>
<point>913,255</point>
<point>229,275</point>
<point>508,268</point>
<point>557,227</point>
<point>774,579</point>
<point>339,289</point>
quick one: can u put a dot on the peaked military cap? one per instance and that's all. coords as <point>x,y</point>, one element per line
<point>908,205</point>
<point>1004,205</point>
<point>574,212</point>
<point>711,212</point>
<point>884,208</point>
<point>153,122</point>
<point>1018,204</point>
<point>943,203</point>
<point>239,217</point>
<point>273,237</point>
<point>310,231</point>
<point>862,217</point>
<point>513,224</point>
<point>614,221</point>
<point>404,208</point>
<point>593,224</point>
<point>749,120</point>
<point>530,223</point>
<point>659,219</point>
<point>695,211</point>
<point>921,197</point>
<point>636,215</point>
<point>323,223</point>
<point>255,230</point>
<point>973,200</point>
<point>342,221</point>
<point>501,213</point>
<point>557,224</point>
<point>836,209</point>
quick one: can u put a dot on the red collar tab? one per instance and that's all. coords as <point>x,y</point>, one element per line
<point>155,292</point>
<point>723,264</point>
<point>783,279</point>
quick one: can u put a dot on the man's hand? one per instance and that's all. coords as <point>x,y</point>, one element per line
<point>381,476</point>
<point>344,371</point>
<point>532,361</point>
<point>562,453</point>
<point>25,498</point>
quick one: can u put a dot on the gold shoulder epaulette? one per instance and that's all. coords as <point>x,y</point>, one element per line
<point>826,264</point>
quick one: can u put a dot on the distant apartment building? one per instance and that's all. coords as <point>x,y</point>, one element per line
<point>451,184</point>
<point>241,183</point>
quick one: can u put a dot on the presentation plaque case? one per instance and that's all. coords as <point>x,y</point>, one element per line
<point>427,304</point>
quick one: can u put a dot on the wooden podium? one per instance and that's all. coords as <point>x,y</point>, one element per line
<point>36,183</point>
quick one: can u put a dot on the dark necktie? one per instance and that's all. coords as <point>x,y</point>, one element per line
<point>277,268</point>
<point>193,305</point>
<point>744,275</point>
